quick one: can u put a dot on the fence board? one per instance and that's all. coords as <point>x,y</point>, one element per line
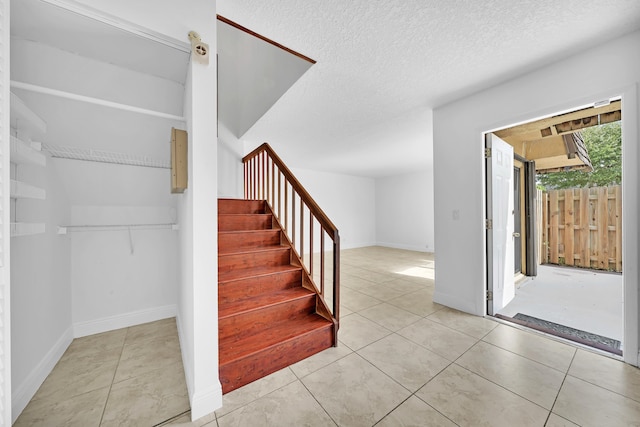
<point>554,229</point>
<point>568,227</point>
<point>583,243</point>
<point>545,228</point>
<point>539,228</point>
<point>582,227</point>
<point>603,229</point>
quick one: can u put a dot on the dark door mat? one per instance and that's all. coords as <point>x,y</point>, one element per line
<point>576,335</point>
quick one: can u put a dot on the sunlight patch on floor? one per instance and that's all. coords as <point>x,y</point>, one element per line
<point>424,272</point>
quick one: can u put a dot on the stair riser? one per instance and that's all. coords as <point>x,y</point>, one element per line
<point>245,288</point>
<point>229,242</point>
<point>241,206</point>
<point>245,324</point>
<point>255,259</point>
<point>257,365</point>
<point>244,222</point>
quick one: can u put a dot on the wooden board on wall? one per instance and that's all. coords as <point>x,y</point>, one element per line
<point>179,172</point>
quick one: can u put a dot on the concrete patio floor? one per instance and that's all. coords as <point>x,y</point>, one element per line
<point>588,300</point>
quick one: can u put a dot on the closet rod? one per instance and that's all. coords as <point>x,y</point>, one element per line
<point>107,227</point>
<point>91,100</point>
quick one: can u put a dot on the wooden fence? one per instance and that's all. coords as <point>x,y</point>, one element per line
<point>582,227</point>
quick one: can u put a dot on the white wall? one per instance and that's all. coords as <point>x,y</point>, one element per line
<point>122,278</point>
<point>459,165</point>
<point>40,286</point>
<point>404,211</point>
<point>230,167</point>
<point>348,201</point>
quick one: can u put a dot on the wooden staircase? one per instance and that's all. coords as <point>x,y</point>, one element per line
<point>268,311</point>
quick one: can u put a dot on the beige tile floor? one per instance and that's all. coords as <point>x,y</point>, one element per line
<point>402,361</point>
<point>127,377</point>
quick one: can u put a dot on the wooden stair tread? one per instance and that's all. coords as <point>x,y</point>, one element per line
<point>230,276</point>
<point>262,301</point>
<point>233,349</point>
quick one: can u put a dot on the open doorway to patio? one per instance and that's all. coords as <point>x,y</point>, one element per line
<point>567,198</point>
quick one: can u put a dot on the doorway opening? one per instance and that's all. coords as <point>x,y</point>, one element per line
<point>554,242</point>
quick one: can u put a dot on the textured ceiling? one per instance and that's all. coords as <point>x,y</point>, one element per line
<point>364,108</point>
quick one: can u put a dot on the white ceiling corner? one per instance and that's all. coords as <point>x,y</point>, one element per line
<point>364,108</point>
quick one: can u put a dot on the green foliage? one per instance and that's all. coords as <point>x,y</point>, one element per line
<point>604,145</point>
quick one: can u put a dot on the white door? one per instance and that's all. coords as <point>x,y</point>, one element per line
<point>500,211</point>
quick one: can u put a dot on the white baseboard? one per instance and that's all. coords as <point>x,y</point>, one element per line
<point>402,246</point>
<point>206,402</point>
<point>25,391</point>
<point>125,320</point>
<point>344,245</point>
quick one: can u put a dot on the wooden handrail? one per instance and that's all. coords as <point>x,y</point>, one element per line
<point>263,173</point>
<point>308,200</point>
<point>263,38</point>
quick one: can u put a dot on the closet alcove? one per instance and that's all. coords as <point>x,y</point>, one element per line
<point>94,245</point>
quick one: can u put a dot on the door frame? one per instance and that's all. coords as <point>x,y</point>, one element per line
<point>517,219</point>
<point>630,195</point>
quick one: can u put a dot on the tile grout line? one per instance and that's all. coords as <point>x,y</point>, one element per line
<point>411,393</point>
<point>317,401</point>
<point>575,353</point>
<point>603,388</point>
<point>525,357</point>
<point>427,403</point>
<point>531,360</point>
<point>493,382</point>
<point>259,397</point>
<point>175,417</point>
<point>114,377</point>
<point>506,389</point>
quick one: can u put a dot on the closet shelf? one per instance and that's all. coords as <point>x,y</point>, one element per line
<point>26,228</point>
<point>22,153</point>
<point>24,120</point>
<point>22,190</point>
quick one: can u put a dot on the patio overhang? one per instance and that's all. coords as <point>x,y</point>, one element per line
<point>555,143</point>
